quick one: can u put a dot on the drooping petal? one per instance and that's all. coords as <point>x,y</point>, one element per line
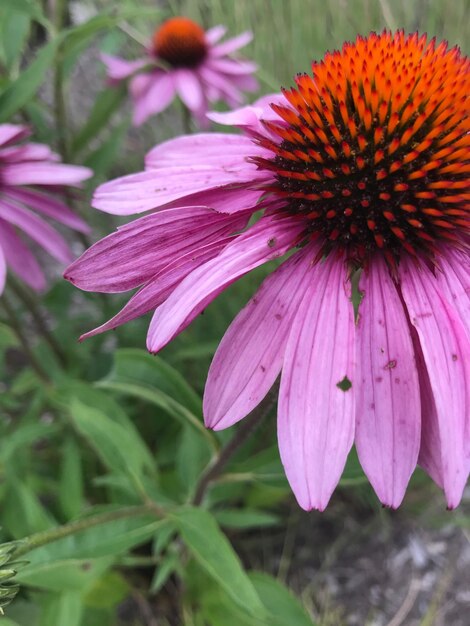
<point>44,173</point>
<point>266,240</point>
<point>223,88</point>
<point>37,229</point>
<point>316,403</point>
<point>49,206</point>
<point>151,94</point>
<point>453,277</point>
<point>445,348</point>
<point>20,258</point>
<point>139,250</point>
<point>232,44</point>
<point>249,357</point>
<point>12,132</point>
<point>189,89</point>
<point>160,286</point>
<point>388,407</point>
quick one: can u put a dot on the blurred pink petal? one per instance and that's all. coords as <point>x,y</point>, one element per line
<point>184,60</point>
<point>152,93</point>
<point>20,258</point>
<point>31,179</point>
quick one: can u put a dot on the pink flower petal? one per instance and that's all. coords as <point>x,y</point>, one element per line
<point>151,93</point>
<point>119,69</point>
<point>189,89</point>
<point>388,407</point>
<point>267,239</point>
<point>215,150</point>
<point>446,348</point>
<point>454,280</point>
<point>20,259</point>
<point>154,188</point>
<point>249,117</point>
<point>38,230</point>
<point>214,34</point>
<point>232,67</point>
<point>39,173</point>
<point>231,45</point>
<point>223,88</point>
<point>249,357</point>
<point>49,206</point>
<point>12,132</point>
<point>161,285</point>
<point>28,152</point>
<point>136,252</point>
<point>316,415</point>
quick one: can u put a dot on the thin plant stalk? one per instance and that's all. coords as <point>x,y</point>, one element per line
<point>32,305</point>
<point>249,424</point>
<point>18,330</point>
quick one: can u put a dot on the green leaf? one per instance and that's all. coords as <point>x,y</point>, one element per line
<point>137,366</point>
<point>164,402</point>
<point>14,30</point>
<point>214,553</point>
<point>23,514</point>
<point>107,591</point>
<point>119,448</point>
<point>284,607</point>
<point>246,518</point>
<point>192,457</point>
<point>71,479</point>
<point>169,565</point>
<point>29,8</point>
<point>107,102</point>
<point>64,575</point>
<point>64,608</point>
<point>17,94</point>
<point>101,160</point>
<point>25,435</point>
<point>107,539</point>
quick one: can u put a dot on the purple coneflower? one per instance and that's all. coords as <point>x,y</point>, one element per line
<point>361,169</point>
<point>31,179</point>
<point>186,61</point>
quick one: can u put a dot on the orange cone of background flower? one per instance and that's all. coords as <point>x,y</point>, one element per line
<point>185,60</point>
<point>363,166</point>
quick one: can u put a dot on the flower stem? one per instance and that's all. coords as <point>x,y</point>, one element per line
<point>49,536</point>
<point>17,329</point>
<point>60,13</point>
<point>186,119</point>
<point>32,305</point>
<point>249,424</point>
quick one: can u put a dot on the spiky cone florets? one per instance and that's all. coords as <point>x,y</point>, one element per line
<point>374,147</point>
